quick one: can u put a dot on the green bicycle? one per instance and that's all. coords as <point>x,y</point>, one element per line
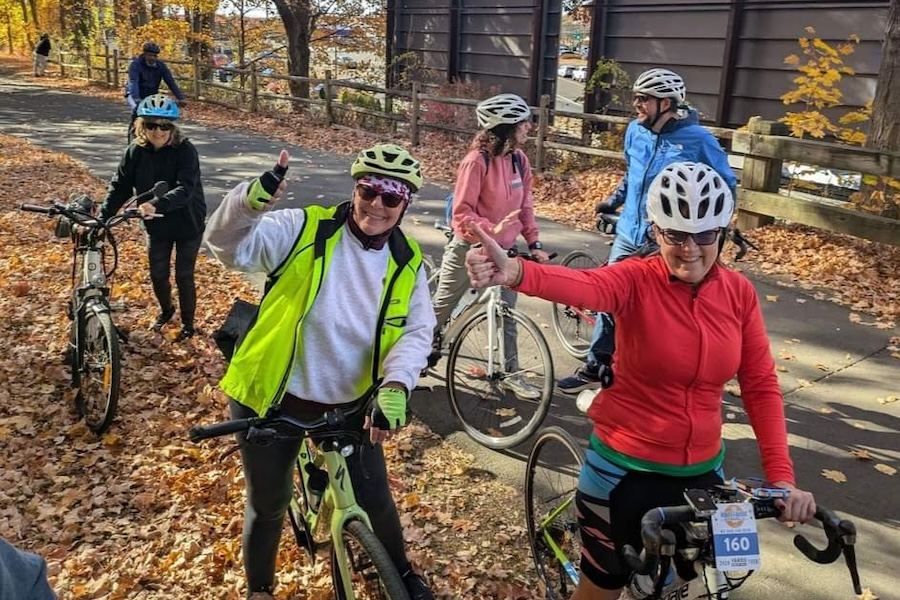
<point>677,539</point>
<point>323,512</point>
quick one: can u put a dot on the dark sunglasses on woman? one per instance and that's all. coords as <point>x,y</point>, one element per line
<point>369,194</point>
<point>678,238</point>
<point>163,126</point>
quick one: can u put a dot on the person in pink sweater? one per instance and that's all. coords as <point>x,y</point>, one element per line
<point>493,189</point>
<point>689,325</point>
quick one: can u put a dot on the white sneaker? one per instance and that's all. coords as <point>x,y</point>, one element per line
<point>585,398</point>
<point>521,388</point>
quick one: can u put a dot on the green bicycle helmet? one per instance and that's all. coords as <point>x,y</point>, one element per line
<point>389,160</point>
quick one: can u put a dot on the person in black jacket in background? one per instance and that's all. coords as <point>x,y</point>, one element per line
<point>160,152</point>
<point>41,54</point>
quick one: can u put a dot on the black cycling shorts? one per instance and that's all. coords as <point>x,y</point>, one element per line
<point>610,504</point>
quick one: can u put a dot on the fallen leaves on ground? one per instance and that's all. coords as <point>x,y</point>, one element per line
<point>835,476</point>
<point>886,469</point>
<point>140,512</point>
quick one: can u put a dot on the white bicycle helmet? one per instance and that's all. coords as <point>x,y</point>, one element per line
<point>691,197</point>
<point>660,83</point>
<point>502,109</point>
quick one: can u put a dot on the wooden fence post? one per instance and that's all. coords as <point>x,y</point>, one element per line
<point>254,91</point>
<point>196,77</point>
<point>106,64</point>
<point>329,109</point>
<point>762,174</point>
<point>116,68</point>
<point>414,115</point>
<point>543,119</point>
<point>62,66</point>
<point>87,63</point>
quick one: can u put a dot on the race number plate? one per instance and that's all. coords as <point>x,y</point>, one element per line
<point>735,538</point>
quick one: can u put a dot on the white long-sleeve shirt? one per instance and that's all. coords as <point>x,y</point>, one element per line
<point>339,329</point>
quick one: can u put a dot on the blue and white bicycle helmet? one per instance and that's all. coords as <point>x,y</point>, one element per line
<point>158,106</point>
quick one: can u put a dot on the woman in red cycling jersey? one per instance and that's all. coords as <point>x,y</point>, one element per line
<point>689,325</point>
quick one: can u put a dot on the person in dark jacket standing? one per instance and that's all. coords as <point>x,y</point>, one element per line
<point>41,52</point>
<point>145,74</point>
<point>160,152</point>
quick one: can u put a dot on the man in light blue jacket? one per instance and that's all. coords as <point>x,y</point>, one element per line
<point>665,131</point>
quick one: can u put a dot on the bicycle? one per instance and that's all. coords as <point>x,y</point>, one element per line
<point>92,352</point>
<point>323,511</point>
<point>707,537</point>
<point>483,372</point>
<point>574,325</point>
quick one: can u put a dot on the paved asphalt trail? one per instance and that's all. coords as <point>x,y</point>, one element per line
<point>839,411</point>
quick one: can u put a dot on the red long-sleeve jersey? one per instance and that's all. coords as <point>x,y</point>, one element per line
<point>676,346</point>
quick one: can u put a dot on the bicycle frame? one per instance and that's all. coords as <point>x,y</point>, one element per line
<point>488,300</point>
<point>568,567</point>
<point>338,503</point>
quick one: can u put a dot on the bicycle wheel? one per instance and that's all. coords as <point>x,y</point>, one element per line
<point>432,271</point>
<point>499,403</point>
<point>373,574</point>
<point>98,371</point>
<point>551,478</point>
<point>575,328</point>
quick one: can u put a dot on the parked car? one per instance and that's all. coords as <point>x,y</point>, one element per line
<point>347,61</point>
<point>580,74</point>
<point>565,70</point>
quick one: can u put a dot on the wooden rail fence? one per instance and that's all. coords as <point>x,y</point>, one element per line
<point>764,146</point>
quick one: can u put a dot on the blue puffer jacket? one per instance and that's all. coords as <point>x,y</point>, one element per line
<point>647,153</point>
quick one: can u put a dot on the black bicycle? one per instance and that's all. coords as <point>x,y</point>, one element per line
<point>93,353</point>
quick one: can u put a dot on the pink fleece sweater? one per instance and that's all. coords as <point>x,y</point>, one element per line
<point>486,194</point>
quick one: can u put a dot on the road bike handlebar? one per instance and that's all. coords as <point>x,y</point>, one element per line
<point>659,541</point>
<point>266,428</point>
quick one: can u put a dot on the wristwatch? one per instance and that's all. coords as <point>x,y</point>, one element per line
<point>535,246</point>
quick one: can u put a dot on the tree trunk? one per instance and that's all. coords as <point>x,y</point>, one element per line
<point>35,16</point>
<point>884,127</point>
<point>884,131</point>
<point>298,24</point>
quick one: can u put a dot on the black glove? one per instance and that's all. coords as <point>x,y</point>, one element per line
<point>605,207</point>
<point>262,188</point>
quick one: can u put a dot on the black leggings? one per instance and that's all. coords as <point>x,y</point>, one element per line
<point>159,252</point>
<point>268,478</point>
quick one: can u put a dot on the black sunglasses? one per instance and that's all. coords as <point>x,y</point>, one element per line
<point>642,98</point>
<point>369,194</point>
<point>678,238</point>
<point>163,126</point>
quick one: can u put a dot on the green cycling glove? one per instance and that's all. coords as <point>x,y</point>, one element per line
<point>392,404</point>
<point>264,186</point>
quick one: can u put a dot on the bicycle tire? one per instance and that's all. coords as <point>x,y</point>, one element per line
<point>553,466</point>
<point>432,271</point>
<point>488,413</point>
<point>573,331</point>
<point>375,557</point>
<point>97,399</point>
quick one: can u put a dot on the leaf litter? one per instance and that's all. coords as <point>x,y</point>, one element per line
<point>141,512</point>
